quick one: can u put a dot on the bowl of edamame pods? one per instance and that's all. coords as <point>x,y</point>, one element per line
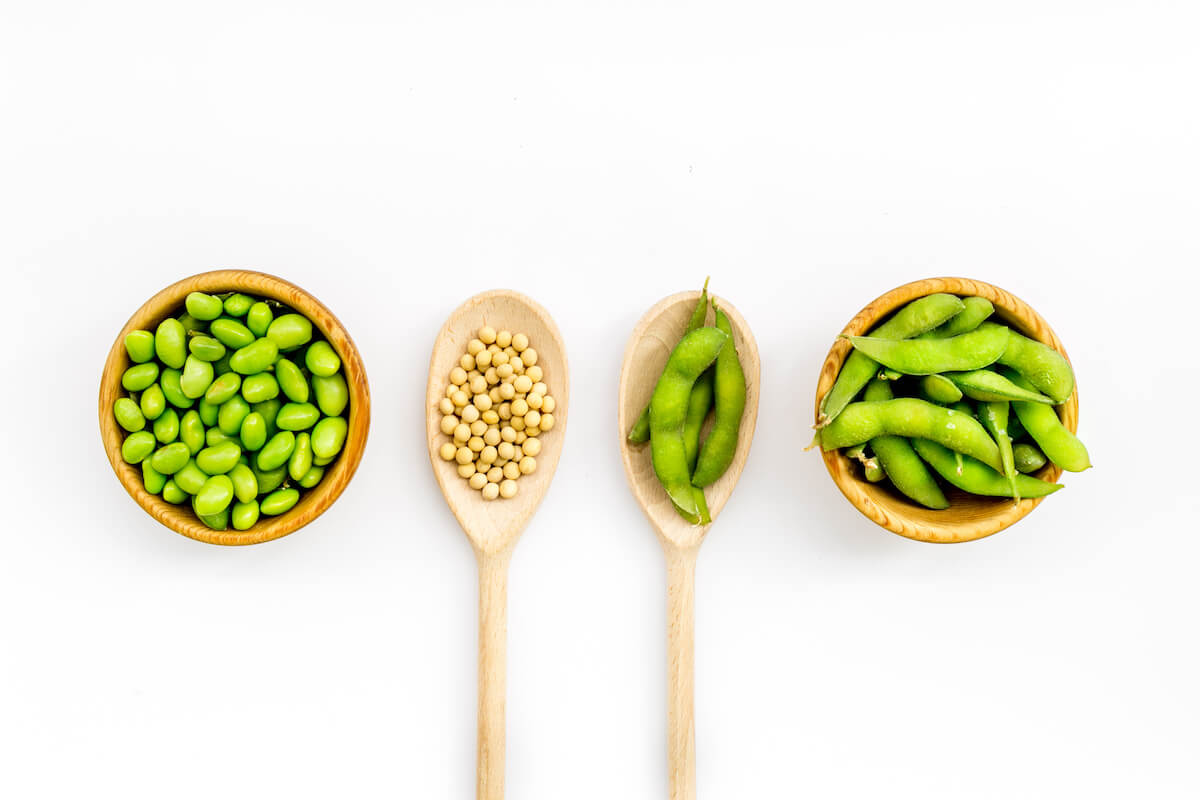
<point>947,410</point>
<point>234,407</point>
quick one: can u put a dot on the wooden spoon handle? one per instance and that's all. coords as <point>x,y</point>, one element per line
<point>493,631</point>
<point>681,637</point>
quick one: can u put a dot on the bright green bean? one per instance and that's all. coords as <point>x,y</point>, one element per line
<point>1043,367</point>
<point>196,378</point>
<point>152,479</point>
<point>237,305</point>
<point>268,409</point>
<point>208,412</point>
<point>245,485</point>
<point>269,479</point>
<point>206,348</point>
<point>253,431</point>
<point>231,415</point>
<point>170,343</point>
<point>214,496</point>
<point>973,350</point>
<point>1044,427</point>
<point>277,451</point>
<point>975,311</point>
<point>191,478</point>
<point>979,478</point>
<point>128,415</point>
<point>915,318</point>
<point>218,522</point>
<point>1027,458</point>
<point>172,390</point>
<point>260,387</point>
<point>219,458</point>
<point>729,402</point>
<point>901,463</point>
<point>914,418</point>
<point>170,458</point>
<point>297,417</point>
<point>328,437</point>
<point>279,501</point>
<point>215,436</point>
<point>321,359</point>
<point>992,387</point>
<point>232,333</point>
<point>259,318</point>
<point>290,331</point>
<point>203,307</point>
<point>312,477</point>
<point>940,389</point>
<point>223,388</point>
<point>300,461</point>
<point>191,431</point>
<point>668,412</point>
<point>152,402</point>
<point>166,427</point>
<point>244,515</point>
<point>172,493</point>
<point>137,447</point>
<point>139,377</point>
<point>291,381</point>
<point>140,346</point>
<point>333,395</point>
<point>191,325</point>
<point>255,357</point>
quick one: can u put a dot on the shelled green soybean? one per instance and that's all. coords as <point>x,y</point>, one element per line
<point>236,406</point>
<point>940,386</point>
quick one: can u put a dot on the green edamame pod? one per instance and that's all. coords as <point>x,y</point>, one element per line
<point>206,348</point>
<point>291,380</point>
<point>169,381</point>
<point>191,478</point>
<point>140,346</point>
<point>223,388</point>
<point>699,403</point>
<point>913,319</point>
<point>191,431</point>
<point>909,416</point>
<point>940,389</point>
<point>994,416</point>
<point>172,493</point>
<point>290,331</point>
<point>231,333</point>
<point>139,377</point>
<point>992,387</point>
<point>1043,367</point>
<point>641,429</point>
<point>279,501</point>
<point>152,402</point>
<point>152,479</point>
<point>328,437</point>
<point>245,485</point>
<point>976,477</point>
<point>196,378</point>
<point>244,515</point>
<point>137,447</point>
<point>170,343</point>
<point>255,357</point>
<point>231,415</point>
<point>166,427</point>
<point>128,415</point>
<point>1044,427</point>
<point>975,311</point>
<point>333,395</point>
<point>668,412</point>
<point>237,305</point>
<point>973,350</point>
<point>170,458</point>
<point>276,452</point>
<point>300,461</point>
<point>900,462</point>
<point>260,388</point>
<point>253,431</point>
<point>321,359</point>
<point>219,458</point>
<point>259,318</point>
<point>729,401</point>
<point>1027,458</point>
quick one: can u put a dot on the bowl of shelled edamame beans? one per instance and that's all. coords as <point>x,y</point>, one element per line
<point>924,377</point>
<point>234,407</point>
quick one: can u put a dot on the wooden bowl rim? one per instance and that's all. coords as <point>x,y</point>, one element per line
<point>315,501</point>
<point>888,508</point>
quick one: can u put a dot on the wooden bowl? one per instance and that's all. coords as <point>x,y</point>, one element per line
<point>969,516</point>
<point>169,302</point>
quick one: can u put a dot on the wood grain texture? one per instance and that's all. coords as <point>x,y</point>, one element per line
<point>314,502</point>
<point>494,526</point>
<point>650,345</point>
<point>969,517</point>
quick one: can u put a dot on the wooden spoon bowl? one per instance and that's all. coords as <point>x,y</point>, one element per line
<point>493,526</point>
<point>314,502</point>
<point>969,516</point>
<point>650,345</point>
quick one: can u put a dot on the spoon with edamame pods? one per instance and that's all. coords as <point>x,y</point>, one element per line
<point>493,526</point>
<point>650,345</point>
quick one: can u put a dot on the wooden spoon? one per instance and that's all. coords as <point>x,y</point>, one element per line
<point>494,526</point>
<point>649,347</point>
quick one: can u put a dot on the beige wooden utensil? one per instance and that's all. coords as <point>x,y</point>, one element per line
<point>494,526</point>
<point>649,346</point>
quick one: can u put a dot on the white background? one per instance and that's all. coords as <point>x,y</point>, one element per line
<point>397,158</point>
